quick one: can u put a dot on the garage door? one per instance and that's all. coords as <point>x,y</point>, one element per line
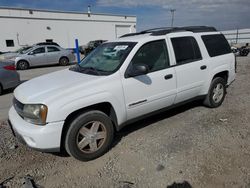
<point>122,30</point>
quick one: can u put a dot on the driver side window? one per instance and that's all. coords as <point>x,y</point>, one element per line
<point>154,55</point>
<point>39,50</point>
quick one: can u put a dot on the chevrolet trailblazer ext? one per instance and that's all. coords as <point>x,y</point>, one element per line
<point>80,108</point>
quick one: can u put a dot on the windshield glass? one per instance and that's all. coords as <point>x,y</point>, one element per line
<point>106,58</point>
<point>23,50</point>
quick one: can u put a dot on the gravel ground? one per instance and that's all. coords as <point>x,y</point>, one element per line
<point>190,145</point>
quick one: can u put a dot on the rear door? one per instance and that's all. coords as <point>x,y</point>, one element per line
<point>155,90</point>
<point>53,54</point>
<point>191,69</point>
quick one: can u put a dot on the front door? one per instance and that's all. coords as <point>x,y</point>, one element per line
<point>155,90</point>
<point>37,56</point>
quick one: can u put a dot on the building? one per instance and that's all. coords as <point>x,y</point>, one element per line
<point>21,27</point>
<point>237,36</point>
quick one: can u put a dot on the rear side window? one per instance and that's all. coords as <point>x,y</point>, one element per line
<point>216,45</point>
<point>52,49</point>
<point>186,50</point>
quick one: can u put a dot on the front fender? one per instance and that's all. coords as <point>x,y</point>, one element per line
<point>62,110</point>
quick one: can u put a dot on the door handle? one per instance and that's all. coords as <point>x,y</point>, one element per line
<point>169,76</point>
<point>203,67</point>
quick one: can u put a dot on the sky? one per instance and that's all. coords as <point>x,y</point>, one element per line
<point>222,14</point>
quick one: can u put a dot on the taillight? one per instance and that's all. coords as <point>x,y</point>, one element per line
<point>10,67</point>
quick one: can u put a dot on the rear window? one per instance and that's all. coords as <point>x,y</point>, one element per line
<point>216,45</point>
<point>186,50</point>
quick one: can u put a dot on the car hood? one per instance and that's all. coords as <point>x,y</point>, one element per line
<point>10,55</point>
<point>47,88</point>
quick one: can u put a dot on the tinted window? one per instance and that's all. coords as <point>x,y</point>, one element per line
<point>216,45</point>
<point>39,50</point>
<point>153,54</point>
<point>10,43</point>
<point>52,49</point>
<point>186,49</point>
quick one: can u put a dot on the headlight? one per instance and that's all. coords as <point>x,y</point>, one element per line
<point>35,113</point>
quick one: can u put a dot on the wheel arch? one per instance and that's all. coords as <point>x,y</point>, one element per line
<point>222,74</point>
<point>23,60</point>
<point>63,57</point>
<point>104,107</point>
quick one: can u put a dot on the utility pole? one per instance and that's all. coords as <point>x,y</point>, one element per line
<point>172,13</point>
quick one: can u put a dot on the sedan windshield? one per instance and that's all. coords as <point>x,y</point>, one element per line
<point>23,50</point>
<point>106,59</point>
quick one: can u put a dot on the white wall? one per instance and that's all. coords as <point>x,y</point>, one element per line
<point>19,25</point>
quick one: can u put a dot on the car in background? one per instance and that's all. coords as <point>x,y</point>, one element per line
<point>243,51</point>
<point>11,55</point>
<point>86,49</point>
<point>9,77</point>
<point>44,55</point>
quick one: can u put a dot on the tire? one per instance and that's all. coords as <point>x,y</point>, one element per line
<point>81,140</point>
<point>22,65</point>
<point>63,61</point>
<point>216,93</point>
<point>1,89</point>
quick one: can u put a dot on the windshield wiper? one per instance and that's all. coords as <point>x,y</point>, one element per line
<point>98,72</point>
<point>93,69</point>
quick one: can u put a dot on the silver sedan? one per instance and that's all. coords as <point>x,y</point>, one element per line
<point>44,55</point>
<point>9,77</point>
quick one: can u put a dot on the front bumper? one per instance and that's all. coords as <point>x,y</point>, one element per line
<point>45,138</point>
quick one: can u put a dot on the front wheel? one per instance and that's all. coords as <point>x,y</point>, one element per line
<point>216,93</point>
<point>89,135</point>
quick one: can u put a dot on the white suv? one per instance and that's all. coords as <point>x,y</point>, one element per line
<point>80,108</point>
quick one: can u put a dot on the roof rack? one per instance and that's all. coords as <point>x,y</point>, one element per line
<point>166,30</point>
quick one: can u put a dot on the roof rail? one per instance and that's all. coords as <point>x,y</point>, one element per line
<point>166,30</point>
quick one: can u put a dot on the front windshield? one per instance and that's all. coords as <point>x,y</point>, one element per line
<point>23,50</point>
<point>106,58</point>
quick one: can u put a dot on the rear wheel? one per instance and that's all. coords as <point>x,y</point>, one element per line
<point>63,61</point>
<point>216,93</point>
<point>22,65</point>
<point>89,135</point>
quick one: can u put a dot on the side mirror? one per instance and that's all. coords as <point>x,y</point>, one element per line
<point>31,53</point>
<point>137,70</point>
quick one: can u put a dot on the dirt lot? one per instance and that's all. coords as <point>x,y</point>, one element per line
<point>204,147</point>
